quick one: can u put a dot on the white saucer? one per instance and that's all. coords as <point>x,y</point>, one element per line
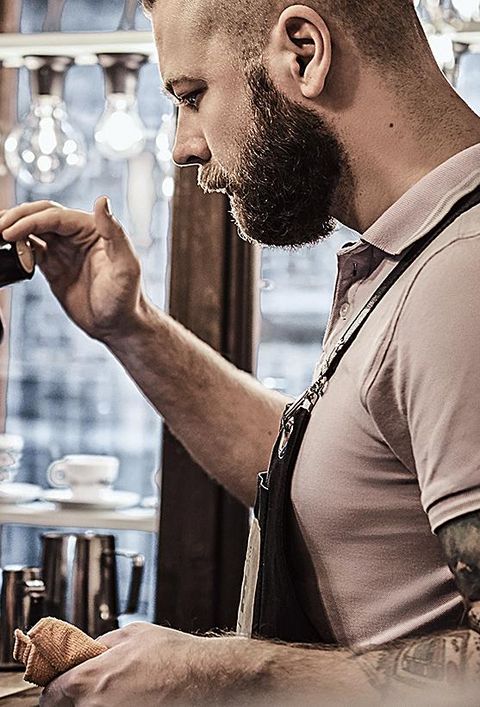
<point>107,499</point>
<point>149,502</point>
<point>11,492</point>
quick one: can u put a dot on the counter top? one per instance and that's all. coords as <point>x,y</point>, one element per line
<point>15,691</point>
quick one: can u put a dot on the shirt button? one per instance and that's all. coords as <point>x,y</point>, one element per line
<point>344,310</point>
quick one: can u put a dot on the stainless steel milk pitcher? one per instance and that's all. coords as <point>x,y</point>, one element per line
<point>80,575</point>
<point>21,606</point>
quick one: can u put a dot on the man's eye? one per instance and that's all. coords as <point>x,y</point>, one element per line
<point>190,100</point>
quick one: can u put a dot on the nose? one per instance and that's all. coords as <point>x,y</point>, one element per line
<point>190,145</point>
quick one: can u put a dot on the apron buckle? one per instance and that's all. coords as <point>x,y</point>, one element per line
<point>287,429</point>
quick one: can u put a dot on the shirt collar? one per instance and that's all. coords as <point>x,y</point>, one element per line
<point>425,203</point>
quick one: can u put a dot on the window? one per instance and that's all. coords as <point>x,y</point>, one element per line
<point>296,293</point>
<point>66,393</point>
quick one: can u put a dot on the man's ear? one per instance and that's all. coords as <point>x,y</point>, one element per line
<point>301,44</point>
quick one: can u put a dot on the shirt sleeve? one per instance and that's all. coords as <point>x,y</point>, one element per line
<point>437,379</point>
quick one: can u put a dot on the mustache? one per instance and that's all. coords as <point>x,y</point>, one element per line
<point>214,178</point>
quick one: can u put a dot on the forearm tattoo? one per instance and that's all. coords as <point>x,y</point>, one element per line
<point>446,659</point>
<point>460,539</point>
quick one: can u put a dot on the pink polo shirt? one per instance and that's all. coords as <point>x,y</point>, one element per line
<point>393,447</point>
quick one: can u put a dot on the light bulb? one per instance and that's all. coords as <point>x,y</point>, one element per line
<point>120,133</point>
<point>45,152</point>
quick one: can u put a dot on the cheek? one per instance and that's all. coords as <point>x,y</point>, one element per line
<point>225,129</point>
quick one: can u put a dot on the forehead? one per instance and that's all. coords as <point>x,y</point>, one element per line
<point>185,38</point>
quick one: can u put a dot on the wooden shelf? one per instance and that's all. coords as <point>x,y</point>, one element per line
<point>43,514</point>
<point>82,46</point>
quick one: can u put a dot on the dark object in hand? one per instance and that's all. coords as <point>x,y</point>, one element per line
<point>17,262</point>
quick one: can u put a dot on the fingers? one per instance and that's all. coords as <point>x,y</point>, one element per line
<point>69,688</point>
<point>47,219</point>
<point>57,220</point>
<point>106,223</point>
<point>53,696</point>
<point>9,216</point>
<point>110,228</point>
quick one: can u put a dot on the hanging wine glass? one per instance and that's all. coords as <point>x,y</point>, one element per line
<point>53,16</point>
<point>45,152</point>
<point>120,133</point>
<point>127,21</point>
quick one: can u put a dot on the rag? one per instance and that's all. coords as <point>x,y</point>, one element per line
<point>51,648</point>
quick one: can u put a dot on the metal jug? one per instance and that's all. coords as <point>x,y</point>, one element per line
<point>80,575</point>
<point>21,606</point>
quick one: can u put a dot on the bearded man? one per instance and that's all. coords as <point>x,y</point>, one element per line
<point>303,114</point>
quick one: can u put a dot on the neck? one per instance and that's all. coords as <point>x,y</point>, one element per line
<point>392,146</point>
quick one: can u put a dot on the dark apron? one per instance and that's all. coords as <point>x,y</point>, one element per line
<point>269,605</point>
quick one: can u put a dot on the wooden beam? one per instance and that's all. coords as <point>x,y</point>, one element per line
<point>203,530</point>
<point>9,22</point>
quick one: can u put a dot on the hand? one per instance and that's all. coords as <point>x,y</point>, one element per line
<point>89,262</point>
<point>148,665</point>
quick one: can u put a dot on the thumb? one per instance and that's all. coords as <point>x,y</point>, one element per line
<point>108,226</point>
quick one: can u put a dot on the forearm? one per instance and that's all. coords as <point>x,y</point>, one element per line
<point>225,418</point>
<point>424,669</point>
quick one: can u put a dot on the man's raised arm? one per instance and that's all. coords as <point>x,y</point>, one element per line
<point>224,417</point>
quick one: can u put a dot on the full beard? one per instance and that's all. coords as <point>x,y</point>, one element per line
<point>282,188</point>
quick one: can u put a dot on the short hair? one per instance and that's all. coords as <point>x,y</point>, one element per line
<point>388,33</point>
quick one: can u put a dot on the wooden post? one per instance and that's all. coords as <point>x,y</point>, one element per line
<point>9,22</point>
<point>203,530</point>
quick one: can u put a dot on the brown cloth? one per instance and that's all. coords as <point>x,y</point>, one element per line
<point>51,648</point>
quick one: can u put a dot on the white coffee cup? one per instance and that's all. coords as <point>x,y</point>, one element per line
<point>82,472</point>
